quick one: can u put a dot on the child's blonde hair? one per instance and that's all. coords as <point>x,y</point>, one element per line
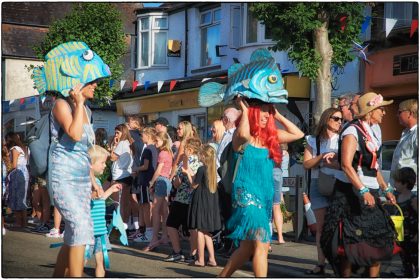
<point>96,152</point>
<point>166,145</point>
<point>208,158</point>
<point>193,143</point>
<point>151,132</point>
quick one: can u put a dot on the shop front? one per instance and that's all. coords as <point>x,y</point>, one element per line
<point>394,74</point>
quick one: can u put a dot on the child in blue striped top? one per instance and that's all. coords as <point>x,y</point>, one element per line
<point>98,157</point>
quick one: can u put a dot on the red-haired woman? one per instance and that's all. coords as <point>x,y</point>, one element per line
<point>252,198</point>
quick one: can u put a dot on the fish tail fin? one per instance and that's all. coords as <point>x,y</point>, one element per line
<point>40,79</point>
<point>210,94</point>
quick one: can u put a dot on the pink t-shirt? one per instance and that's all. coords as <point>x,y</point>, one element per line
<point>165,158</point>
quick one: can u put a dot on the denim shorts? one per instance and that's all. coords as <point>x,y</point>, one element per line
<point>162,187</point>
<point>278,184</point>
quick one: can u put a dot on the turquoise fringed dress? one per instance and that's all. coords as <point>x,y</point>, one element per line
<point>252,196</point>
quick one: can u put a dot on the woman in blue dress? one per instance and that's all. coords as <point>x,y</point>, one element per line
<point>69,176</point>
<point>252,193</point>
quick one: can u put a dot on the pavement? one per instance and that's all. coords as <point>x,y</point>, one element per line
<point>26,254</point>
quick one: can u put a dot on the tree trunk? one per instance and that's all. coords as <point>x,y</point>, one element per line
<point>323,80</point>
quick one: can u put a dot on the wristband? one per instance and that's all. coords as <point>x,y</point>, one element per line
<point>363,190</point>
<point>388,189</point>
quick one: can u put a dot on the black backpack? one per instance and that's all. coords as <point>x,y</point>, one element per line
<point>228,167</point>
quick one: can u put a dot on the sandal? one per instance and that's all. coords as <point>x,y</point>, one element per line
<point>196,263</point>
<point>150,247</point>
<point>314,271</point>
<point>211,264</point>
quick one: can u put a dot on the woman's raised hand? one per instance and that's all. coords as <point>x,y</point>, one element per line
<point>76,94</point>
<point>242,104</point>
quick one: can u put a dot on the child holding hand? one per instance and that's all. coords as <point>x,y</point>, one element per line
<point>99,156</point>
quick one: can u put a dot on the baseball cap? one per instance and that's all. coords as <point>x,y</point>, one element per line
<point>161,120</point>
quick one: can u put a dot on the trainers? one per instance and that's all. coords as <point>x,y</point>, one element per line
<point>54,233</point>
<point>142,239</point>
<point>175,257</point>
<point>134,235</point>
<point>43,228</point>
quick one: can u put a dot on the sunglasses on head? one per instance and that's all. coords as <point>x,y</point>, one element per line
<point>336,119</point>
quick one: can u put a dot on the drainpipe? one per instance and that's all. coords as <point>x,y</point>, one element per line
<point>186,42</point>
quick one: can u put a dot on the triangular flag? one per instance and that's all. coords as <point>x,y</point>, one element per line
<point>160,84</point>
<point>300,74</point>
<point>343,22</point>
<point>22,101</point>
<point>11,101</point>
<point>389,24</point>
<point>365,24</point>
<point>205,79</point>
<point>135,83</point>
<point>146,85</point>
<point>414,26</point>
<point>172,85</point>
<point>111,83</point>
<point>122,83</point>
<point>32,100</point>
<point>43,99</point>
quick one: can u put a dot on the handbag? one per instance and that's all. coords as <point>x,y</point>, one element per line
<point>325,182</point>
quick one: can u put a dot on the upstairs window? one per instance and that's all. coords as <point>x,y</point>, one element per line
<point>210,36</point>
<point>152,41</point>
<point>404,12</point>
<point>255,31</point>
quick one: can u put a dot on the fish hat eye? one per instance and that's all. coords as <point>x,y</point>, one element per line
<point>88,55</point>
<point>272,79</point>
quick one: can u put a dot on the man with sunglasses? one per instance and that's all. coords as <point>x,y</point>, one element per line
<point>405,154</point>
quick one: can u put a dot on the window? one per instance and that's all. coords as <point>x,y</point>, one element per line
<point>210,36</point>
<point>152,41</point>
<point>404,12</point>
<point>255,31</point>
<point>235,26</point>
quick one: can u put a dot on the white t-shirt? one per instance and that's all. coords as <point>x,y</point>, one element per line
<point>331,145</point>
<point>370,182</point>
<point>121,168</point>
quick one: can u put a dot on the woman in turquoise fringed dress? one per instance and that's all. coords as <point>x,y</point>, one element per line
<point>252,193</point>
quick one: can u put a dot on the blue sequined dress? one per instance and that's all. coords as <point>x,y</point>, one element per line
<point>252,197</point>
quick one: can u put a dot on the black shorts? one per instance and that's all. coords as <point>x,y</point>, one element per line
<point>127,180</point>
<point>143,195</point>
<point>178,215</point>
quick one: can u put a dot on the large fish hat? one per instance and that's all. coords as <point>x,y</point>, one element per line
<point>67,65</point>
<point>260,79</point>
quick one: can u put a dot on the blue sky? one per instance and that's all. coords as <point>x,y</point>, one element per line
<point>151,4</point>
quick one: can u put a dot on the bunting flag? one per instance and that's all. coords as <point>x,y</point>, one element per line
<point>343,22</point>
<point>22,101</point>
<point>22,107</point>
<point>111,83</point>
<point>32,100</point>
<point>172,85</point>
<point>146,85</point>
<point>159,85</point>
<point>366,23</point>
<point>122,83</point>
<point>135,83</point>
<point>389,25</point>
<point>11,101</point>
<point>43,99</point>
<point>414,26</point>
<point>108,100</point>
<point>300,74</point>
<point>205,79</point>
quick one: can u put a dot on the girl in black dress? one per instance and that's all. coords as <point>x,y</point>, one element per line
<point>204,212</point>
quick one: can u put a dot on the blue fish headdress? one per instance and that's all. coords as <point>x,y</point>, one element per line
<point>259,79</point>
<point>67,65</point>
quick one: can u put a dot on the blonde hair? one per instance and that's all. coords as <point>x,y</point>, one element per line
<point>208,158</point>
<point>410,105</point>
<point>193,143</point>
<point>188,130</point>
<point>166,145</point>
<point>96,152</point>
<point>219,129</point>
<point>151,131</point>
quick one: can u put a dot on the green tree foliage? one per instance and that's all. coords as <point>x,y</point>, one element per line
<point>311,33</point>
<point>99,25</point>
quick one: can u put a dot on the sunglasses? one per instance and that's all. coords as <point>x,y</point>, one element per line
<point>336,119</point>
